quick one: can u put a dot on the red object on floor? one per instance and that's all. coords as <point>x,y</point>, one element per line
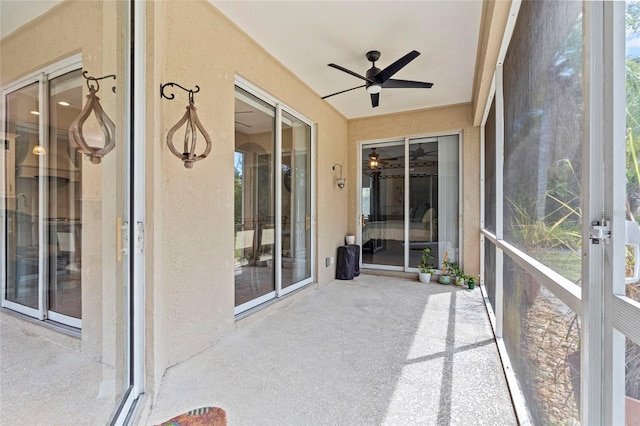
<point>206,416</point>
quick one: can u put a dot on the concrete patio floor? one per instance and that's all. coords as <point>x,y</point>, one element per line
<point>375,350</point>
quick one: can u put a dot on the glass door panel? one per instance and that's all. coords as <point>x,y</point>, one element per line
<point>296,201</point>
<point>64,256</point>
<point>632,264</point>
<point>254,200</point>
<point>382,202</point>
<point>423,199</point>
<point>393,237</point>
<point>448,199</point>
<point>64,209</point>
<point>22,244</point>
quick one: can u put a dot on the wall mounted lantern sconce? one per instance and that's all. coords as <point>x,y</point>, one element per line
<point>188,154</point>
<point>340,181</point>
<point>76,136</point>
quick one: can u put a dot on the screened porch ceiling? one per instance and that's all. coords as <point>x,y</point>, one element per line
<point>312,34</point>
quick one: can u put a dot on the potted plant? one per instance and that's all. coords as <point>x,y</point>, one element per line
<point>425,267</point>
<point>471,281</point>
<point>456,273</point>
<point>445,277</point>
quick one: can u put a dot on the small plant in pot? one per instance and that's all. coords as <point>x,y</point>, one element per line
<point>455,272</point>
<point>425,268</point>
<point>471,281</point>
<point>445,277</point>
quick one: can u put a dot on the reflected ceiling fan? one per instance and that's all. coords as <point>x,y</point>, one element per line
<point>377,79</point>
<point>243,112</point>
<point>419,152</point>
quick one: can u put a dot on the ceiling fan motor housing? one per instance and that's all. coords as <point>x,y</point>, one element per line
<point>371,76</point>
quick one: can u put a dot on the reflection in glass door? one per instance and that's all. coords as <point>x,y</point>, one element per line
<point>63,215</point>
<point>23,203</point>
<point>401,217</point>
<point>632,209</point>
<point>383,200</point>
<point>272,193</point>
<point>296,201</point>
<point>423,200</point>
<point>44,276</point>
<point>64,258</point>
<point>254,201</point>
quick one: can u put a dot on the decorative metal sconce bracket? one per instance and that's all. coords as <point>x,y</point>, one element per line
<point>188,154</point>
<point>340,181</point>
<point>76,135</point>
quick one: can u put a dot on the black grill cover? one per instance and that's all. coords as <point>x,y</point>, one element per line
<point>348,265</point>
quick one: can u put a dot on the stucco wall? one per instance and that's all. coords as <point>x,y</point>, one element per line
<point>193,209</point>
<point>452,119</point>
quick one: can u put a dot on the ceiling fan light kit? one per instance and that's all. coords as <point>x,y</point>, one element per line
<point>188,154</point>
<point>377,79</point>
<point>374,89</point>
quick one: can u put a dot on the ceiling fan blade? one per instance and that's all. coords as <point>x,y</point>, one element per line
<point>406,84</point>
<point>375,98</point>
<point>342,91</point>
<point>389,71</point>
<point>343,69</point>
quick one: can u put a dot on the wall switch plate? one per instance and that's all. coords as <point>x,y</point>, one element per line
<point>327,261</point>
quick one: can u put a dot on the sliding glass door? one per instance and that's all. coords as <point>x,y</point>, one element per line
<point>44,255</point>
<point>296,201</point>
<point>273,203</point>
<point>254,199</point>
<point>65,260</point>
<point>383,200</point>
<point>409,202</point>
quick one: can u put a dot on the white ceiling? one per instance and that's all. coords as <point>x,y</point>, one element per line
<point>305,36</point>
<point>15,13</point>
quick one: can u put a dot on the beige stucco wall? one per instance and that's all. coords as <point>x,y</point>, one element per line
<point>191,211</point>
<point>433,121</point>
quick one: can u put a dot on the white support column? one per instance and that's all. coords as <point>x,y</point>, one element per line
<point>278,219</point>
<point>613,154</point>
<point>499,161</point>
<point>593,384</point>
<point>482,195</point>
<point>138,189</point>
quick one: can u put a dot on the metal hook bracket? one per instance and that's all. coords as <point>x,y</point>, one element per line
<point>91,80</point>
<point>172,96</point>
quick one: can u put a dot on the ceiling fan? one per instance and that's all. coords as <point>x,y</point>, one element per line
<point>377,79</point>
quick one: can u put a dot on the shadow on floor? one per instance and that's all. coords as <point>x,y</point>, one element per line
<point>375,350</point>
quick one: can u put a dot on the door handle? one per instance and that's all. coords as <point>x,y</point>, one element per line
<point>307,222</point>
<point>122,238</point>
<point>362,220</point>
